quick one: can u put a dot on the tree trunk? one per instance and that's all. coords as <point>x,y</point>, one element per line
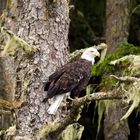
<point>44,25</point>
<point>2,5</point>
<point>5,119</point>
<point>117,23</point>
<point>114,129</point>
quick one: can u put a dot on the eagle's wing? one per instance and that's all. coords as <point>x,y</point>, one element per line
<point>70,76</point>
<point>53,78</point>
<point>51,81</point>
<point>75,75</point>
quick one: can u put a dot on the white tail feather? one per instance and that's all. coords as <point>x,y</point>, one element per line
<point>54,106</point>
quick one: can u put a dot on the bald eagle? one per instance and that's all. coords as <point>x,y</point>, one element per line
<point>71,78</point>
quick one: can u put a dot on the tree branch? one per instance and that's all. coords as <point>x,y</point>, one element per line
<point>125,78</point>
<point>56,128</point>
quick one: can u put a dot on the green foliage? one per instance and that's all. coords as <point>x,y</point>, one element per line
<point>124,62</point>
<point>105,67</point>
<point>134,97</point>
<point>47,128</point>
<point>72,132</point>
<point>108,82</point>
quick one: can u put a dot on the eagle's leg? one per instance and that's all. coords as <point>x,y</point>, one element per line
<point>64,104</point>
<point>68,97</point>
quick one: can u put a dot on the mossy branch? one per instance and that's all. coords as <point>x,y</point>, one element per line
<point>55,128</point>
<point>133,96</point>
<point>133,93</point>
<point>125,78</point>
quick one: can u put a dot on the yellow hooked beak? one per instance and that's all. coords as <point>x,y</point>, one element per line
<point>96,53</point>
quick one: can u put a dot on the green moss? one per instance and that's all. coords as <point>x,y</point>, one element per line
<point>120,67</point>
<point>46,129</point>
<point>109,82</point>
<point>72,132</point>
<point>133,97</point>
<point>105,67</point>
<point>16,45</point>
<point>101,109</point>
<point>126,71</point>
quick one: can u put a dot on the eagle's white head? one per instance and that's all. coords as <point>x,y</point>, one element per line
<point>90,54</point>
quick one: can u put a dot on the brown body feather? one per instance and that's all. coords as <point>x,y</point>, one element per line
<point>72,77</point>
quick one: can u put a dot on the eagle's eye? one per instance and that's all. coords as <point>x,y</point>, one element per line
<point>92,51</point>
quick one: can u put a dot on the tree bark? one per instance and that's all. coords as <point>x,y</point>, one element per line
<point>44,25</point>
<point>114,128</point>
<point>4,118</point>
<point>2,5</point>
<point>117,23</point>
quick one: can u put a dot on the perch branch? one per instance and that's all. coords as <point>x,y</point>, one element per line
<point>57,127</point>
<point>125,78</point>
